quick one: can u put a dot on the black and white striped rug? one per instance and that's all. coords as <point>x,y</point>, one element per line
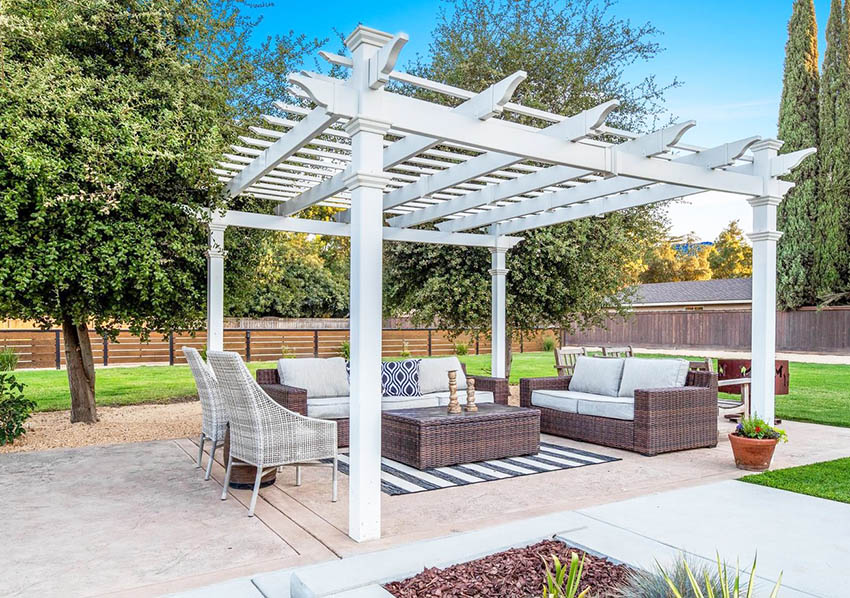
<point>398,478</point>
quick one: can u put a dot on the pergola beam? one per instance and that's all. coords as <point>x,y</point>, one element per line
<point>299,136</point>
<point>482,106</point>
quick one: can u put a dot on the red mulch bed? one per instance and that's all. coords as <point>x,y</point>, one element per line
<point>515,573</point>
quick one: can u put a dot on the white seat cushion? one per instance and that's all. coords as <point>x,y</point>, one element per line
<point>318,376</point>
<point>328,407</point>
<point>434,374</point>
<point>388,403</point>
<point>560,400</point>
<point>652,373</point>
<point>597,375</point>
<point>481,396</point>
<point>611,407</point>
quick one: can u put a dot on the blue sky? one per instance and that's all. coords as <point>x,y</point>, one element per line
<point>728,54</point>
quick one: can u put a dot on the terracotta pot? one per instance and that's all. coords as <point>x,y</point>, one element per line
<point>752,454</point>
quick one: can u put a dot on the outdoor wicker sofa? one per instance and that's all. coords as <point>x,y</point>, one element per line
<point>296,398</point>
<point>662,420</point>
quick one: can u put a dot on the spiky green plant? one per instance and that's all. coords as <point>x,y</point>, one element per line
<point>548,343</point>
<point>564,581</point>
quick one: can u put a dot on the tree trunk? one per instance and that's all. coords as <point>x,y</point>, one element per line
<point>80,365</point>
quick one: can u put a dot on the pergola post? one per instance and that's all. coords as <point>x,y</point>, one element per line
<point>215,288</point>
<point>764,238</point>
<point>366,182</point>
<point>498,342</point>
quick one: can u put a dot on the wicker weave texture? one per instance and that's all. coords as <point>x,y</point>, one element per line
<point>666,419</point>
<point>428,437</point>
<point>262,432</point>
<point>213,410</point>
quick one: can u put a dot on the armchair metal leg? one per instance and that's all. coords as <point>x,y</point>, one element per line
<point>212,458</point>
<point>256,491</point>
<point>334,482</point>
<point>297,475</point>
<point>227,477</point>
<point>201,448</point>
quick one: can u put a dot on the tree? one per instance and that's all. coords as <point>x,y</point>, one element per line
<point>798,128</point>
<point>111,115</point>
<point>732,256</point>
<point>675,260</point>
<point>572,274</point>
<point>832,251</point>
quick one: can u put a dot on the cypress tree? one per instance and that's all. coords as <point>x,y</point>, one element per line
<point>798,128</point>
<point>832,254</point>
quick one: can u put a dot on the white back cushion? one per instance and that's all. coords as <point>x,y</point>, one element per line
<point>319,377</point>
<point>597,375</point>
<point>652,373</point>
<point>434,374</point>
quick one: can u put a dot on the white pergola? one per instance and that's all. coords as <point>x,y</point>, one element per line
<point>393,162</point>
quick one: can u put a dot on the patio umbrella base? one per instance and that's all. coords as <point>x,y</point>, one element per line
<point>242,476</point>
<point>250,485</point>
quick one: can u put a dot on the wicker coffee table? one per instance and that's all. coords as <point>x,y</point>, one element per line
<point>429,437</point>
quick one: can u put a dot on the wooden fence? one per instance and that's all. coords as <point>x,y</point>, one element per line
<point>46,348</point>
<point>802,331</point>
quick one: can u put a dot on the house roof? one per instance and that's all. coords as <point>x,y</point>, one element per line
<point>724,290</point>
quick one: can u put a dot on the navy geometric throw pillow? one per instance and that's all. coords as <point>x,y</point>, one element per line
<point>400,378</point>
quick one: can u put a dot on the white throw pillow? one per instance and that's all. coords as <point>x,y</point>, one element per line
<point>318,376</point>
<point>652,373</point>
<point>434,374</point>
<point>597,375</point>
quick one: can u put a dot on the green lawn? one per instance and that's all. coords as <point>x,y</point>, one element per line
<point>830,479</point>
<point>819,393</point>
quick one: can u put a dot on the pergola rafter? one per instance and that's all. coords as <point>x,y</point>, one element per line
<point>383,156</point>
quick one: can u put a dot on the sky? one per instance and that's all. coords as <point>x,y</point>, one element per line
<point>728,54</point>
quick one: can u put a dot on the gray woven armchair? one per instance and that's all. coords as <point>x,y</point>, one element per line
<point>214,424</point>
<point>264,434</point>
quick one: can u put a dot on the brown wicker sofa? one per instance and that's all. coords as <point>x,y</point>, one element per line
<point>295,399</point>
<point>665,419</point>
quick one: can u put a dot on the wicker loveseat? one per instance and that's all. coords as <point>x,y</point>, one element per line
<point>296,398</point>
<point>655,421</point>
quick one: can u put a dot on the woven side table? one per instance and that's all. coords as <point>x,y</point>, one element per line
<point>429,437</point>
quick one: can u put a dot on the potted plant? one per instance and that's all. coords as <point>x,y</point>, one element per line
<point>753,443</point>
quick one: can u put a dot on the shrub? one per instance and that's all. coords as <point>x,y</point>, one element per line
<point>405,349</point>
<point>548,343</point>
<point>690,580</point>
<point>564,581</point>
<point>287,352</point>
<point>345,350</point>
<point>755,427</point>
<point>8,359</point>
<point>461,349</point>
<point>15,409</point>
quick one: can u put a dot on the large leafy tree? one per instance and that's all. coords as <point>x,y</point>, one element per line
<point>111,114</point>
<point>732,256</point>
<point>798,128</point>
<point>675,260</point>
<point>832,251</point>
<point>569,275</point>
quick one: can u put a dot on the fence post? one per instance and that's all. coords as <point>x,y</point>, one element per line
<point>316,343</point>
<point>58,352</point>
<point>170,348</point>
<point>247,345</point>
<point>105,350</point>
<point>429,342</point>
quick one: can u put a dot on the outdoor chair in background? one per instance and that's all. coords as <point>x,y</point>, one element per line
<point>263,434</point>
<point>214,424</point>
<point>701,365</point>
<point>565,359</point>
<point>626,351</point>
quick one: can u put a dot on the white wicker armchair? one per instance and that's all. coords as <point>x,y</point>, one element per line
<point>212,406</point>
<point>263,433</point>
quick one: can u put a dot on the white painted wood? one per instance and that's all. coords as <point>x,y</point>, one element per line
<point>712,158</point>
<point>498,301</point>
<point>312,124</point>
<point>764,238</point>
<point>215,288</point>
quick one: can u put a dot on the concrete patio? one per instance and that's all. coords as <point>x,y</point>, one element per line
<point>138,519</point>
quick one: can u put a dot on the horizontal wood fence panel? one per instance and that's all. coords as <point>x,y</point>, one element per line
<point>807,330</point>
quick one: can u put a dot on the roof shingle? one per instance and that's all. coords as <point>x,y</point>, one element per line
<point>732,290</point>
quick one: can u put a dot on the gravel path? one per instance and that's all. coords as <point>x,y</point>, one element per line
<point>132,423</point>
